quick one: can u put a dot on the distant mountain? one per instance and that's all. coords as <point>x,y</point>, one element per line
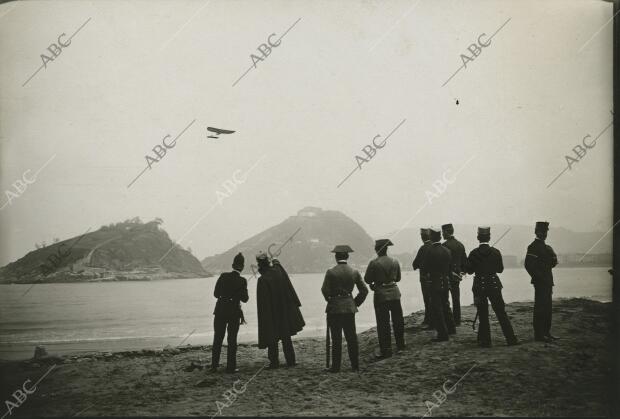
<point>315,232</point>
<point>565,242</point>
<point>128,250</point>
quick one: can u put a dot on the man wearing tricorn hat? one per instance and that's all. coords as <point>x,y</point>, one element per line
<point>382,274</point>
<point>485,262</point>
<point>230,290</point>
<point>278,312</point>
<point>437,263</point>
<point>341,306</point>
<point>458,268</point>
<point>418,263</point>
<point>539,261</point>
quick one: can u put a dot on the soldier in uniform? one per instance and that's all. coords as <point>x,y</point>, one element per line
<point>485,262</point>
<point>230,290</point>
<point>341,306</point>
<point>278,312</point>
<point>418,263</point>
<point>382,274</point>
<point>539,261</point>
<point>437,263</point>
<point>458,268</point>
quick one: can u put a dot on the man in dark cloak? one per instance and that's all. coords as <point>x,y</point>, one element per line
<point>279,316</point>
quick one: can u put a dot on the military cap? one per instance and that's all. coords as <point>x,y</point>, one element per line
<point>447,228</point>
<point>542,226</point>
<point>342,248</point>
<point>484,231</point>
<point>261,256</point>
<point>238,261</point>
<point>381,243</point>
<point>424,231</point>
<point>435,234</point>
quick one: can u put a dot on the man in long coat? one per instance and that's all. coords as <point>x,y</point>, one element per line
<point>341,306</point>
<point>539,261</point>
<point>278,312</point>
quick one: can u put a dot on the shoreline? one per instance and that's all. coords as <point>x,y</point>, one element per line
<point>138,276</point>
<point>175,381</point>
<point>23,351</point>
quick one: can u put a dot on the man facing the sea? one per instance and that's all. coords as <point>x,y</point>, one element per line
<point>458,268</point>
<point>485,262</point>
<point>418,263</point>
<point>382,274</point>
<point>341,306</point>
<point>539,261</point>
<point>278,312</point>
<point>230,290</point>
<point>437,263</point>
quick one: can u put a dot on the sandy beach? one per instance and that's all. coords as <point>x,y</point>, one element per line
<point>532,379</point>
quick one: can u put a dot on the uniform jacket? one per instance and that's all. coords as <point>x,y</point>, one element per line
<point>459,258</point>
<point>277,306</point>
<point>539,261</point>
<point>485,262</point>
<point>418,262</point>
<point>437,263</point>
<point>382,275</point>
<point>230,290</point>
<point>338,286</point>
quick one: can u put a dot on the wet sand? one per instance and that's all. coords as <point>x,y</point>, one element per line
<point>567,378</point>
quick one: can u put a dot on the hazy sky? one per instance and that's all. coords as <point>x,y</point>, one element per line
<point>346,72</point>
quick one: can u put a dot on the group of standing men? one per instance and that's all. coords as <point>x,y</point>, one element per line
<point>442,267</point>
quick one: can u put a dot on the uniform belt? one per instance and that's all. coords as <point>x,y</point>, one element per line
<point>340,295</point>
<point>387,284</point>
<point>231,299</point>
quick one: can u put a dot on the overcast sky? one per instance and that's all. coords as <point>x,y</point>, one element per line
<point>346,72</point>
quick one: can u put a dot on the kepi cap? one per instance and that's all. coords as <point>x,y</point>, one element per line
<point>484,231</point>
<point>447,228</point>
<point>435,234</point>
<point>542,226</point>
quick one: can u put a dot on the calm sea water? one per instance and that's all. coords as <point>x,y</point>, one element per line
<point>109,316</point>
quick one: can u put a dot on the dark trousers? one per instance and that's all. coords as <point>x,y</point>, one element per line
<point>442,315</point>
<point>287,348</point>
<point>339,323</point>
<point>542,310</point>
<point>498,305</point>
<point>383,311</point>
<point>426,295</point>
<point>455,292</point>
<point>220,324</point>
